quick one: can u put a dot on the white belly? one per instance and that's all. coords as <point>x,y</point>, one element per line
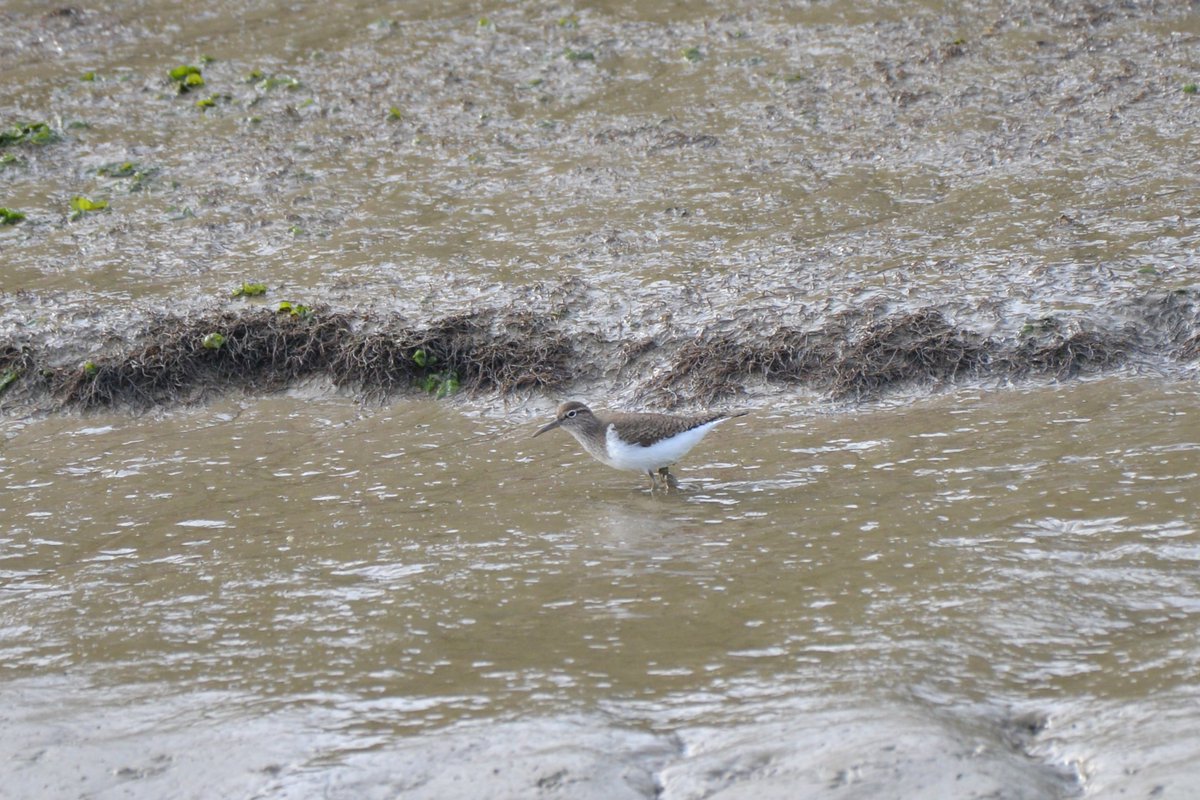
<point>660,454</point>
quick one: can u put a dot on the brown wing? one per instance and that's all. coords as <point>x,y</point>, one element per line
<point>660,426</point>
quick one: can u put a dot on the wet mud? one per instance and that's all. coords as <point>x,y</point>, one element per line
<point>816,752</point>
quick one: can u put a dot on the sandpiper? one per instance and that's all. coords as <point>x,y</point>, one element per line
<point>648,443</point>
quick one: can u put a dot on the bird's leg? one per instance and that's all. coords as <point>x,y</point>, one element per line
<point>669,481</point>
<point>653,481</point>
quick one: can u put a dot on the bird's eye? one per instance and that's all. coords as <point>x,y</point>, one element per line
<point>572,414</point>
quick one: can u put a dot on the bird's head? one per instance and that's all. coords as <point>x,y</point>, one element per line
<point>572,415</point>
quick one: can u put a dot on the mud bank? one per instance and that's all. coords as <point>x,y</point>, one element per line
<point>822,196</point>
<point>849,752</point>
<point>851,355</point>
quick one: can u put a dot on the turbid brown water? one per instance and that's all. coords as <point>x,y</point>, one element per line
<point>996,591</point>
<point>979,583</point>
<point>688,166</point>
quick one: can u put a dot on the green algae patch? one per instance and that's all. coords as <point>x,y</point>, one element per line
<point>10,216</point>
<point>269,83</point>
<point>118,169</point>
<point>249,290</point>
<point>439,383</point>
<point>81,205</point>
<point>294,309</point>
<point>186,78</point>
<point>34,133</point>
<point>8,377</point>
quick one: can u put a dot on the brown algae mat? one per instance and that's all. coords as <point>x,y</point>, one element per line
<point>852,355</point>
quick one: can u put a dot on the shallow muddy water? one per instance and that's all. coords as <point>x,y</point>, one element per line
<point>998,591</point>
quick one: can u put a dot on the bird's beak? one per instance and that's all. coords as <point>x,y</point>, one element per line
<point>545,428</point>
